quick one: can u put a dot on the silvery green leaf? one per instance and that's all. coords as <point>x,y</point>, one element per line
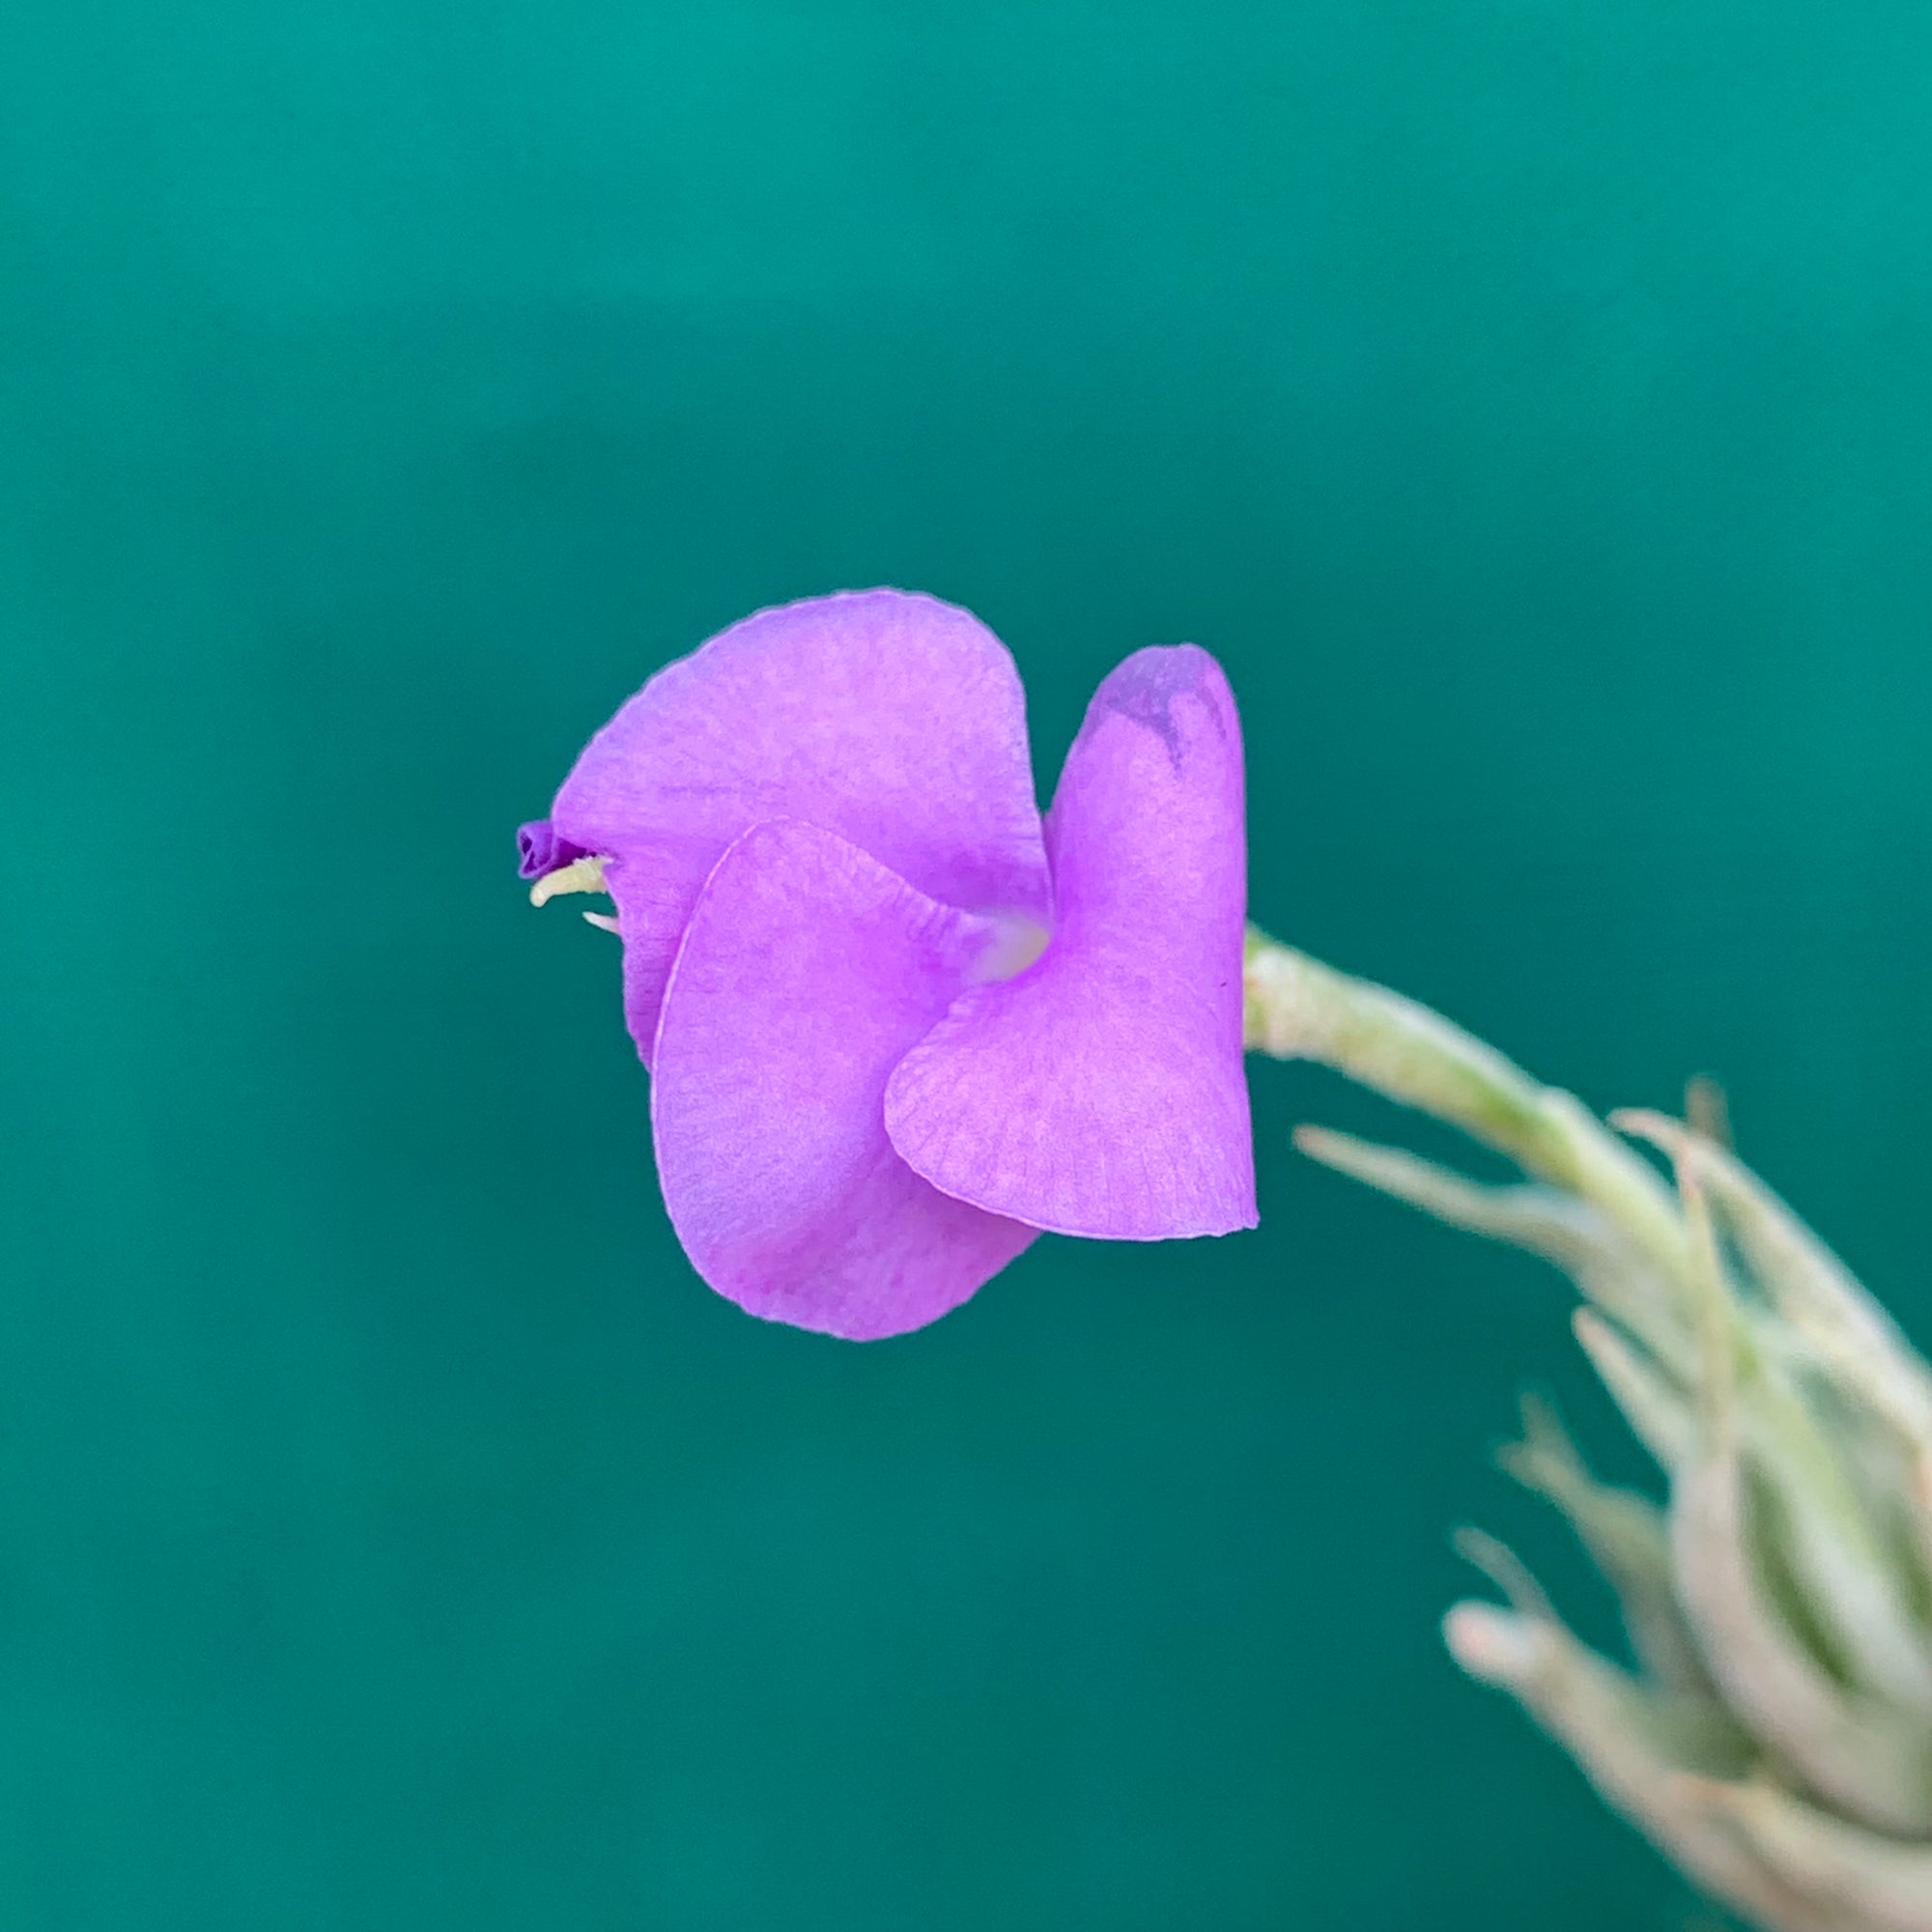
<point>1639,1751</point>
<point>1628,1538</point>
<point>1866,1881</point>
<point>1657,1410</point>
<point>1540,1219</point>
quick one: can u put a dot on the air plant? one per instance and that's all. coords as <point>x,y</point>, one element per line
<point>900,1024</point>
<point>1775,1738</point>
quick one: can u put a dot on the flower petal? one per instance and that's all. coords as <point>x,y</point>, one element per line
<point>1102,1091</point>
<point>892,719</point>
<point>805,972</point>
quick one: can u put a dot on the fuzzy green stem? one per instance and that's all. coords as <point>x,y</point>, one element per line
<point>1298,1008</point>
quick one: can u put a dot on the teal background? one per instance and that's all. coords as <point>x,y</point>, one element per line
<point>1527,401</point>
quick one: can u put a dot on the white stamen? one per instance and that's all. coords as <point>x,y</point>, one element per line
<point>581,875</point>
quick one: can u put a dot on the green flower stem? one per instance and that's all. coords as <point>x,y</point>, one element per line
<point>1298,1008</point>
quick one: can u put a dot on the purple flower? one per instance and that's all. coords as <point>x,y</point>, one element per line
<point>898,1024</point>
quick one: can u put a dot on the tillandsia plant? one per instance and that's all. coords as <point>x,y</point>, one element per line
<point>1775,1738</point>
<point>900,1024</point>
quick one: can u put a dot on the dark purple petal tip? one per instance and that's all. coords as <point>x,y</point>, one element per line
<point>540,849</point>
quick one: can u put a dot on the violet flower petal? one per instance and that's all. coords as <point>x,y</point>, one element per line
<point>890,718</point>
<point>1102,1092</point>
<point>807,970</point>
